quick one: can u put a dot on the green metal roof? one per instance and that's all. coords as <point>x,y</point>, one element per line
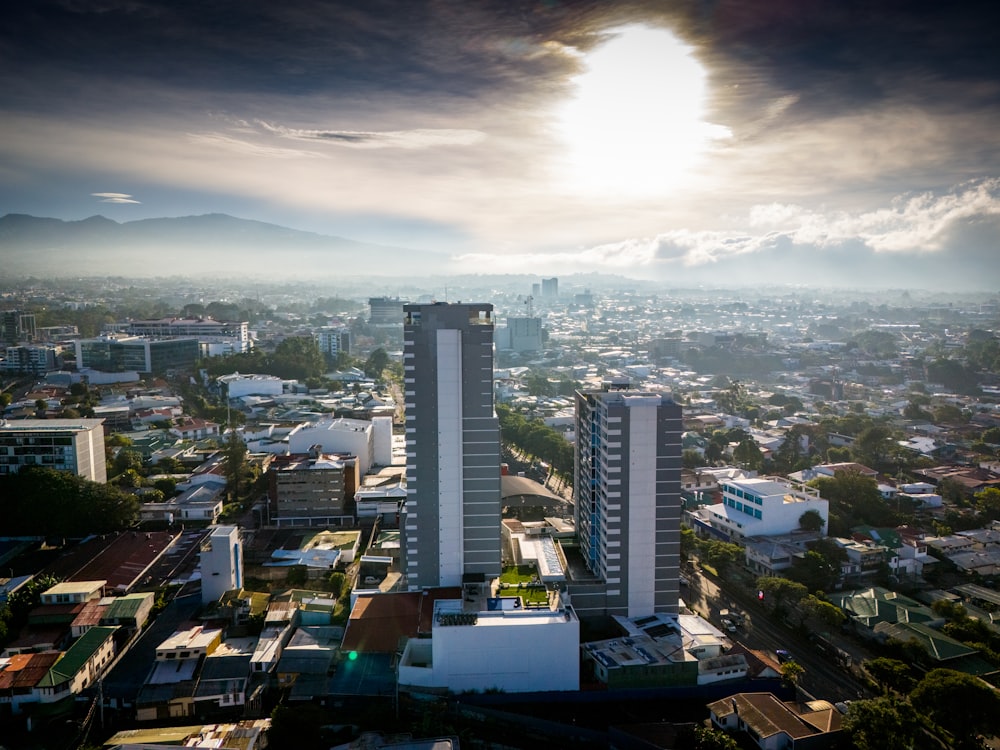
<point>76,656</point>
<point>124,607</point>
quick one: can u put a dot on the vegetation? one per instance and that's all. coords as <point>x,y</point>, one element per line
<point>45,502</point>
<point>534,438</point>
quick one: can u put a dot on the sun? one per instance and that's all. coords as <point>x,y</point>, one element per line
<point>635,126</point>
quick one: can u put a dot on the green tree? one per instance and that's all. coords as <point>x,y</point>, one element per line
<point>872,445</point>
<point>988,502</point>
<point>791,672</point>
<point>814,571</point>
<point>780,594</point>
<point>884,723</point>
<point>959,703</point>
<point>692,459</point>
<point>127,459</point>
<point>236,463</point>
<point>811,520</point>
<point>748,455</point>
<point>820,615</point>
<point>721,555</point>
<point>891,674</point>
<point>377,361</point>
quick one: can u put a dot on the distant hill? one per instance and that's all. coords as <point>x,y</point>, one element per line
<point>214,243</point>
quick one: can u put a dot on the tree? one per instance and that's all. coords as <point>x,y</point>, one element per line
<point>235,462</point>
<point>884,723</point>
<point>820,615</point>
<point>988,502</point>
<point>811,520</point>
<point>891,674</point>
<point>814,571</point>
<point>872,445</point>
<point>691,459</point>
<point>748,455</point>
<point>959,703</point>
<point>376,363</point>
<point>780,594</point>
<point>721,555</point>
<point>791,672</point>
<point>127,459</point>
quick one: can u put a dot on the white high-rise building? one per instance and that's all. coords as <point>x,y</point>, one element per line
<point>221,563</point>
<point>627,497</point>
<point>451,519</point>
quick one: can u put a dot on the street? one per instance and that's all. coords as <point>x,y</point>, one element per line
<point>823,677</point>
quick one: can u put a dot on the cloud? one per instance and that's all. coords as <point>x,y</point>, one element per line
<point>409,139</point>
<point>115,198</point>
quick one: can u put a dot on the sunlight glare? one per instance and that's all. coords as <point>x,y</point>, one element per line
<point>635,126</point>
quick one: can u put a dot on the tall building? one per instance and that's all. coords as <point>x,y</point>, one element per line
<point>16,326</point>
<point>75,445</point>
<point>221,563</point>
<point>451,519</point>
<point>627,497</point>
<point>333,341</point>
<point>385,310</point>
<point>550,288</point>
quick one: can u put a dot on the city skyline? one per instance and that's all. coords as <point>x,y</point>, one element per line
<point>638,138</point>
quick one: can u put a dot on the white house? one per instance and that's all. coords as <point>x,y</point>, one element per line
<point>764,506</point>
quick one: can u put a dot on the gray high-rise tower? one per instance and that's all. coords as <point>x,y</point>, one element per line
<point>627,495</point>
<point>451,520</point>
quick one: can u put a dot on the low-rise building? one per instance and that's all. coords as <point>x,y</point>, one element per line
<point>74,445</point>
<point>773,724</point>
<point>81,665</point>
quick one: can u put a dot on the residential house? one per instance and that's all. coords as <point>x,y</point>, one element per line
<point>773,724</point>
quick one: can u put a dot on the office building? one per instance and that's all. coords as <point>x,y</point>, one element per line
<point>451,519</point>
<point>222,336</point>
<point>627,497</point>
<point>121,353</point>
<point>550,288</point>
<point>386,310</point>
<point>17,326</point>
<point>75,445</point>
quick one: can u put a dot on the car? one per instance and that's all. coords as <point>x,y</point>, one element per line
<point>783,656</point>
<point>729,625</point>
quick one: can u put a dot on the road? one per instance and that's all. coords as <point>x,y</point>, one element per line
<point>822,678</point>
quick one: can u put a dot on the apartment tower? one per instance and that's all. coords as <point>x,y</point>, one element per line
<point>627,496</point>
<point>451,519</point>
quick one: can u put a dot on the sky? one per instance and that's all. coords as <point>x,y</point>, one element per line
<point>659,140</point>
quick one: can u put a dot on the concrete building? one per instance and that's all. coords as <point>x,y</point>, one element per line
<point>332,340</point>
<point>239,385</point>
<point>16,326</point>
<point>123,353</point>
<point>451,519</point>
<point>355,437</point>
<point>763,506</point>
<point>230,337</point>
<point>386,310</point>
<point>75,445</point>
<point>550,288</point>
<point>221,563</point>
<point>311,489</point>
<point>520,335</point>
<point>36,359</point>
<point>627,497</point>
<point>502,646</point>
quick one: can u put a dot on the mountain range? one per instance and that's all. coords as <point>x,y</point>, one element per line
<point>191,245</point>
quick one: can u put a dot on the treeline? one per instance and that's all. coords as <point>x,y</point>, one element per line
<point>535,438</point>
<point>39,501</point>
